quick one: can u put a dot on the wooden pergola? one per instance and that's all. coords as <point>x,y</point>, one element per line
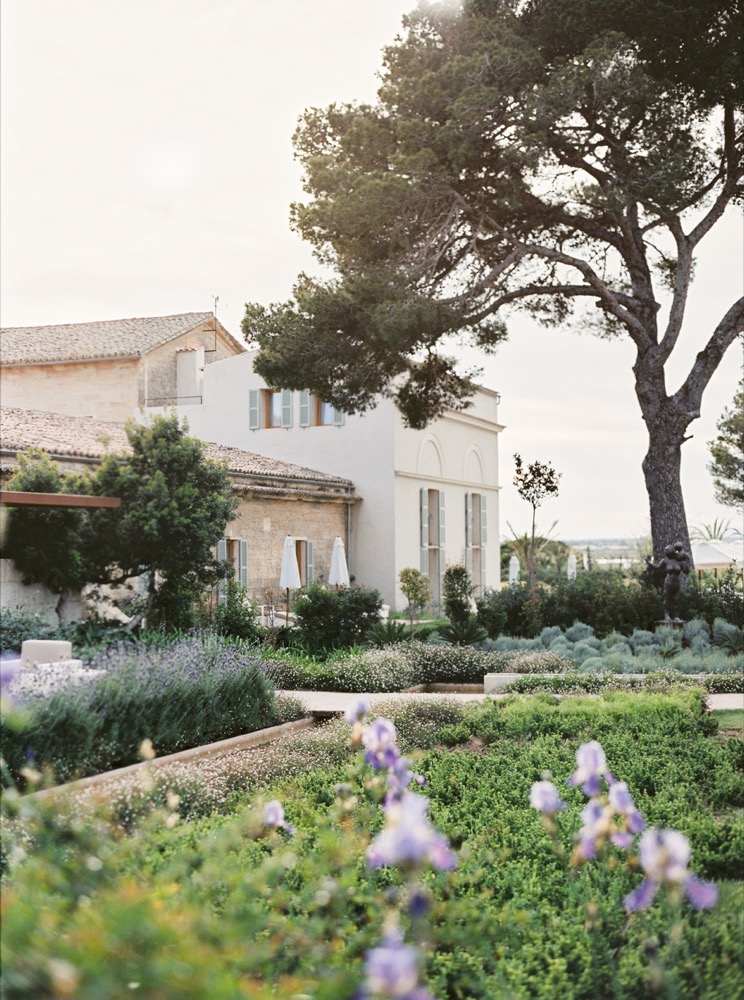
<point>17,498</point>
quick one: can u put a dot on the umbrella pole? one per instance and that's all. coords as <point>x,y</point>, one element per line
<point>287,605</point>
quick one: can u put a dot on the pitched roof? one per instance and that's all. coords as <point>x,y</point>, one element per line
<point>113,338</point>
<point>84,437</point>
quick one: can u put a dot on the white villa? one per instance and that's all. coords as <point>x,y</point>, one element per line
<point>430,498</point>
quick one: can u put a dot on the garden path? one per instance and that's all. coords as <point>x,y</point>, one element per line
<point>335,702</point>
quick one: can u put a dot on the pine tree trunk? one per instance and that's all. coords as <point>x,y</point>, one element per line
<point>662,472</point>
<point>666,424</point>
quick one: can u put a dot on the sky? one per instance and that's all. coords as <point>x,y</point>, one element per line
<point>146,168</point>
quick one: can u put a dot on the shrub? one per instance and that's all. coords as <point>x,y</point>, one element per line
<point>416,589</point>
<point>461,633</point>
<point>728,636</point>
<point>457,593</point>
<point>331,619</point>
<point>384,633</point>
<point>237,617</point>
<point>19,624</point>
<point>189,693</point>
<point>603,599</point>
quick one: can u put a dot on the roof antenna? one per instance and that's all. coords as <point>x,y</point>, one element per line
<point>215,300</point>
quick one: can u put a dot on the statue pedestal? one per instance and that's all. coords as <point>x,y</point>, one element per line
<point>676,624</point>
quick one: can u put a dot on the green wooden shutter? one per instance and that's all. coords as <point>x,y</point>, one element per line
<point>338,417</point>
<point>222,583</point>
<point>468,520</point>
<point>286,407</point>
<point>310,562</point>
<point>304,408</point>
<point>254,413</point>
<point>243,563</point>
<point>424,531</point>
<point>441,520</point>
<point>484,519</point>
<point>424,518</point>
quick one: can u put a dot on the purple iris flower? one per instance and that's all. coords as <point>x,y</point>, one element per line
<point>400,777</point>
<point>545,798</point>
<point>664,856</point>
<point>597,820</point>
<point>273,816</point>
<point>379,741</point>
<point>592,767</point>
<point>392,970</point>
<point>409,837</point>
<point>622,802</point>
<point>357,711</point>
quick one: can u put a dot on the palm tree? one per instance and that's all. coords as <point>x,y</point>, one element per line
<point>714,532</point>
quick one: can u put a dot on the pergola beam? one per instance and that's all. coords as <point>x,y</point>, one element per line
<point>17,498</point>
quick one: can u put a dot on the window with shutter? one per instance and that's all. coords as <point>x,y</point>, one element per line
<point>475,538</point>
<point>424,518</point>
<point>222,584</point>
<point>286,408</point>
<point>254,413</point>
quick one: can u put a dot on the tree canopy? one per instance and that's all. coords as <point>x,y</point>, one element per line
<point>564,157</point>
<point>175,505</point>
<point>727,454</point>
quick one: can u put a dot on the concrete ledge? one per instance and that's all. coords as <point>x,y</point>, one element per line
<point>35,651</point>
<point>499,682</point>
<point>195,754</point>
<point>443,689</point>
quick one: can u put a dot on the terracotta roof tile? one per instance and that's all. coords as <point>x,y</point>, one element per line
<point>84,437</point>
<point>115,338</point>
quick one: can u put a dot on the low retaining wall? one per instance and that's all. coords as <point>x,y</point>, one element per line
<point>195,754</point>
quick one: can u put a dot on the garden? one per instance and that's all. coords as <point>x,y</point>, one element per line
<point>582,836</point>
<point>525,848</point>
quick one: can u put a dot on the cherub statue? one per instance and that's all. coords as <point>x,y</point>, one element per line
<point>676,564</point>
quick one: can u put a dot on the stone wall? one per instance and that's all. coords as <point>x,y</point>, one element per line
<point>107,390</point>
<point>265,523</point>
<point>15,594</point>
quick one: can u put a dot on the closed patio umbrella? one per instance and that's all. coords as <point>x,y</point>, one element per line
<point>339,573</point>
<point>289,578</point>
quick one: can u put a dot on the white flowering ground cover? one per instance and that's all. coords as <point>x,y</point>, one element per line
<point>527,848</point>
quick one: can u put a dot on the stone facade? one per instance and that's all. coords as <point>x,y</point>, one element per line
<point>276,499</point>
<point>265,523</point>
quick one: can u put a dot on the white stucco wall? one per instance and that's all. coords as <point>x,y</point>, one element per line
<point>387,462</point>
